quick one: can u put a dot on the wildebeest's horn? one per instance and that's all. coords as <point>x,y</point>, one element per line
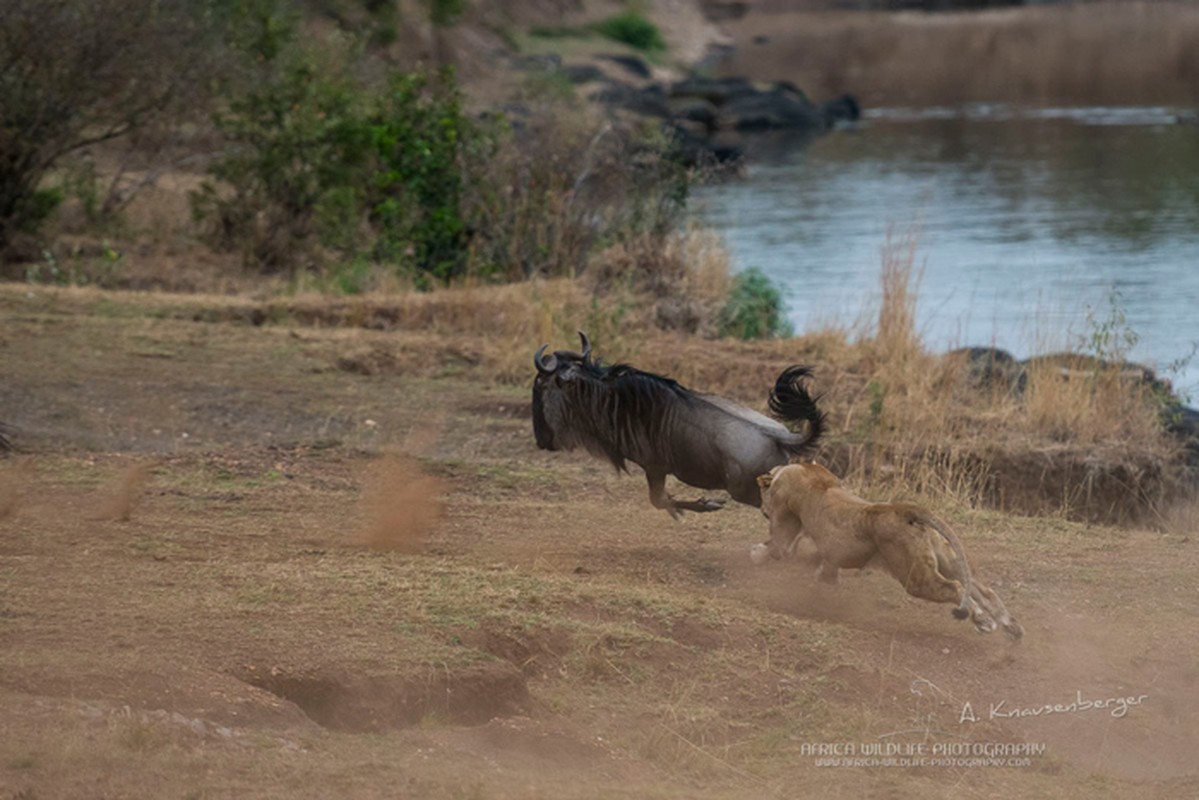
<point>545,364</point>
<point>586,346</point>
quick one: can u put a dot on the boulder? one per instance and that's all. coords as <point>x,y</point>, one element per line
<point>842,111</point>
<point>782,107</point>
<point>696,109</point>
<point>634,65</point>
<point>717,91</point>
<point>648,101</point>
<point>583,73</point>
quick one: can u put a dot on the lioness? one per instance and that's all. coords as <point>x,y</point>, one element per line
<point>918,549</point>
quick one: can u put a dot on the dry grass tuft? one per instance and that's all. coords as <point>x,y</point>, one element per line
<point>679,281</point>
<point>1075,398</point>
<point>1081,433</point>
<point>1182,518</point>
<point>402,505</point>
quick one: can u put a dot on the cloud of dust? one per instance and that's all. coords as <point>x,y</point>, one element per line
<point>401,506</point>
<point>11,484</point>
<point>126,494</point>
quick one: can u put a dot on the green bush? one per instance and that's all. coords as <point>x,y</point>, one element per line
<point>633,29</point>
<point>328,174</point>
<point>297,142</point>
<point>754,309</point>
<point>421,145</point>
<point>445,12</point>
<point>320,163</point>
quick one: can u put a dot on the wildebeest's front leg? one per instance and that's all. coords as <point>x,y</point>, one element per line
<point>660,499</point>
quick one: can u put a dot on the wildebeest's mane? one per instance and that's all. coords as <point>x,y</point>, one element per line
<point>622,410</point>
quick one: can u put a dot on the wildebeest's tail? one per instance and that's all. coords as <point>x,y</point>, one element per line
<point>791,402</point>
<point>963,609</point>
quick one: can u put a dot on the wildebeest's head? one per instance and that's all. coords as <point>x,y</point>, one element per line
<point>557,375</point>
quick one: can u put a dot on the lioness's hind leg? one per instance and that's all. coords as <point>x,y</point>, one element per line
<point>994,610</point>
<point>921,578</point>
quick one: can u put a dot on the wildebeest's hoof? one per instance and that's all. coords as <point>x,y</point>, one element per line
<point>698,506</point>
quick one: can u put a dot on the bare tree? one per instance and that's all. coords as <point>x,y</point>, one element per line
<point>77,72</point>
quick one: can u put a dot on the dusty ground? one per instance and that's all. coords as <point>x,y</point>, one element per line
<point>237,562</point>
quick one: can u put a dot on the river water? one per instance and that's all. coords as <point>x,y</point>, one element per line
<point>1036,230</point>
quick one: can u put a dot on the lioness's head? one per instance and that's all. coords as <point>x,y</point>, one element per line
<point>764,482</point>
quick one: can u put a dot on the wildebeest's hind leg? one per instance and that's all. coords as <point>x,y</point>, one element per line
<point>662,500</point>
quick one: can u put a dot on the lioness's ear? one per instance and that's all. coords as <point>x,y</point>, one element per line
<point>764,481</point>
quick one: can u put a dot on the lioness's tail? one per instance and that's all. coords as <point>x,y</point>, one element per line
<point>791,402</point>
<point>963,609</point>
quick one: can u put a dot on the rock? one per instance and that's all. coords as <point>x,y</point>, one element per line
<point>549,62</point>
<point>650,101</point>
<point>990,367</point>
<point>695,109</point>
<point>700,108</point>
<point>632,64</point>
<point>583,73</point>
<point>717,91</point>
<point>842,111</point>
<point>1182,422</point>
<point>698,150</point>
<point>724,10</point>
<point>780,108</point>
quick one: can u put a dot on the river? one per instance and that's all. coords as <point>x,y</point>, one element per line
<point>1036,229</point>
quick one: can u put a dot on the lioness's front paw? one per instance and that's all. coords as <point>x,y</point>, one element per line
<point>759,554</point>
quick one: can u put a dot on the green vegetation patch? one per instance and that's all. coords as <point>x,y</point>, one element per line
<point>755,308</point>
<point>633,29</point>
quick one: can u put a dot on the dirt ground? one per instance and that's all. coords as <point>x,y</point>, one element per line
<point>240,560</point>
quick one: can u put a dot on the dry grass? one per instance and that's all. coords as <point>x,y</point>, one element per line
<point>1133,53</point>
<point>903,419</point>
<point>911,422</point>
<point>217,635</point>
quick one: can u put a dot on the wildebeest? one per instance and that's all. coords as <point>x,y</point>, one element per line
<point>624,414</point>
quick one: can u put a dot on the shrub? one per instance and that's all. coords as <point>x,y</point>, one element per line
<point>296,140</point>
<point>567,187</point>
<point>633,29</point>
<point>422,143</point>
<point>754,309</point>
<point>319,161</point>
<point>321,167</point>
<point>445,12</point>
